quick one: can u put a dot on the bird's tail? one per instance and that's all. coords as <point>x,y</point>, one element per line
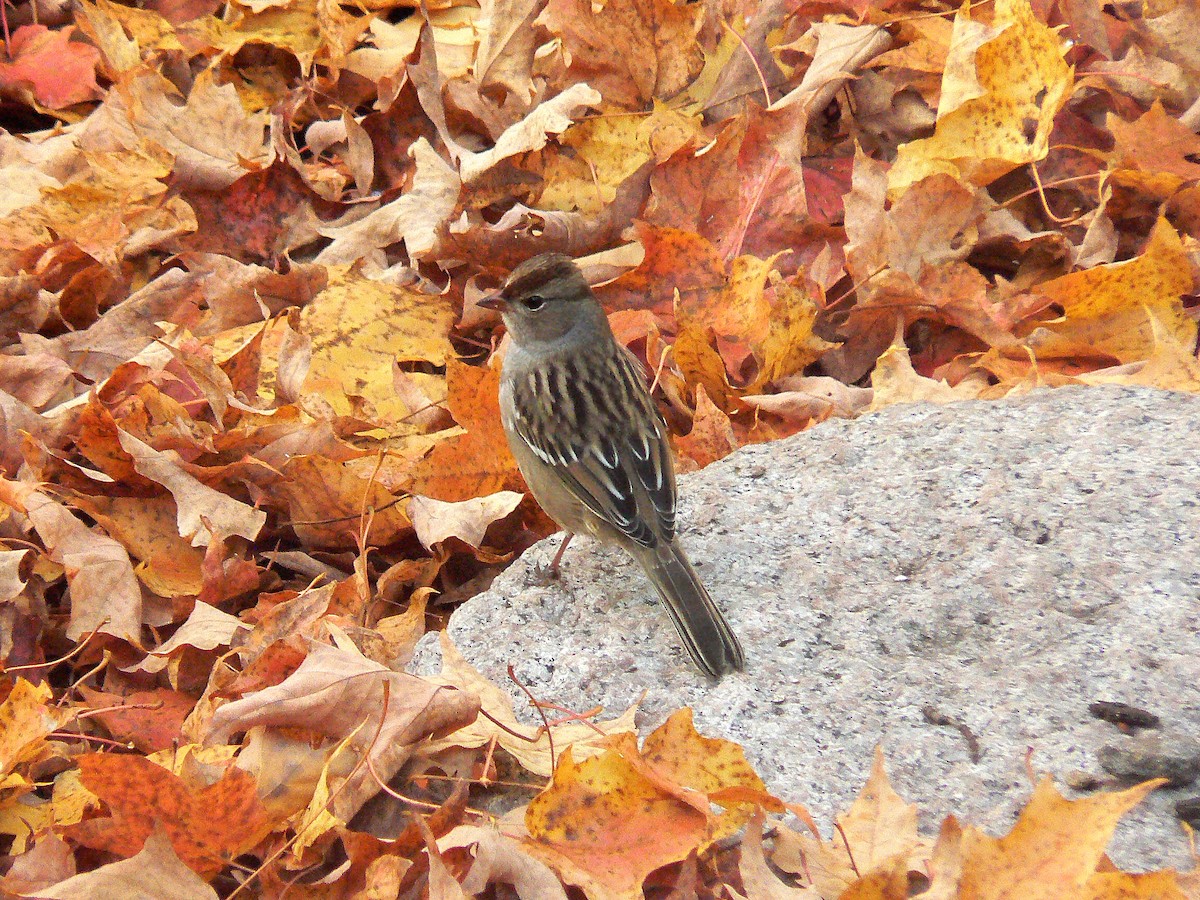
<point>705,633</point>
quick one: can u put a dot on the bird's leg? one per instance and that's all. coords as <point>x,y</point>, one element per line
<point>546,574</point>
<point>562,548</point>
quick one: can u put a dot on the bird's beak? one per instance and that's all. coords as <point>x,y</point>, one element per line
<point>494,301</point>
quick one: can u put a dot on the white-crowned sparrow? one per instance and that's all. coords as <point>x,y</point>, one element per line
<point>591,444</point>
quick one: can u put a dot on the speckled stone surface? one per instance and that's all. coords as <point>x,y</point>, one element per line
<point>1004,564</point>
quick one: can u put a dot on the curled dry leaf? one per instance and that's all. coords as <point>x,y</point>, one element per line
<point>435,520</point>
<point>341,694</point>
<point>105,595</point>
<point>530,746</point>
<point>202,512</point>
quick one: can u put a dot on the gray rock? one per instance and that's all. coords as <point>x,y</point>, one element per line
<point>998,566</point>
<point>1174,757</point>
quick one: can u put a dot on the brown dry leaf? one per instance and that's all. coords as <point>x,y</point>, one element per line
<point>11,581</point>
<point>147,528</point>
<point>1003,86</point>
<point>1156,144</point>
<point>214,140</point>
<point>632,51</point>
<point>880,825</point>
<point>586,738</point>
<point>206,826</point>
<point>114,202</point>
<point>401,633</point>
<point>606,823</point>
<point>48,862</point>
<point>500,859</point>
<point>1172,366</point>
<point>758,881</point>
<point>435,521</point>
<point>808,398</point>
<point>333,503</point>
<point>507,42</point>
<point>1053,850</point>
<point>418,217</point>
<point>203,513</point>
<point>895,381</point>
<point>880,830</point>
<point>154,873</point>
<point>552,116</point>
<point>340,693</point>
<point>148,720</point>
<point>105,595</point>
<point>935,221</point>
<point>1107,309</point>
<point>712,436</point>
<point>206,628</point>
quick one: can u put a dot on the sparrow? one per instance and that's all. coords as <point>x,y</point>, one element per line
<point>591,444</point>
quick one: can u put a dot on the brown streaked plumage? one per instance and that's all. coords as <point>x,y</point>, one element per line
<point>591,445</point>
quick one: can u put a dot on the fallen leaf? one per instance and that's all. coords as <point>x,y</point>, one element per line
<point>154,873</point>
<point>1002,88</point>
<point>207,826</point>
<point>202,512</point>
<point>341,694</point>
<point>435,521</point>
<point>105,595</point>
<point>1107,309</point>
<point>56,70</point>
<point>604,824</point>
<point>534,750</point>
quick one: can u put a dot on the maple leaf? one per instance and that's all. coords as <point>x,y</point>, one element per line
<point>206,827</point>
<point>25,721</point>
<point>606,823</point>
<point>435,521</point>
<point>57,71</point>
<point>154,873</point>
<point>340,694</point>
<point>1053,850</point>
<point>534,751</point>
<point>1107,309</point>
<point>105,595</point>
<point>634,51</point>
<point>475,463</point>
<point>1002,88</point>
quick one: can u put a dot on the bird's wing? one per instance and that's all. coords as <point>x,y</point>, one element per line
<point>609,443</point>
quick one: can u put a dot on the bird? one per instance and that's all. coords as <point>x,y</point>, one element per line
<point>591,445</point>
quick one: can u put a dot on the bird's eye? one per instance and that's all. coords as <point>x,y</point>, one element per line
<point>534,302</point>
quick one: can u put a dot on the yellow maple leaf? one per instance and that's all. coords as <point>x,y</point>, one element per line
<point>1002,87</point>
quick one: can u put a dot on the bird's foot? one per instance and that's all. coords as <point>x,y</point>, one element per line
<point>543,576</point>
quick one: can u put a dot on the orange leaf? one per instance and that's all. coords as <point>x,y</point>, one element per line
<point>1052,851</point>
<point>207,827</point>
<point>675,749</point>
<point>605,823</point>
<point>478,462</point>
<point>60,72</point>
<point>150,720</point>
